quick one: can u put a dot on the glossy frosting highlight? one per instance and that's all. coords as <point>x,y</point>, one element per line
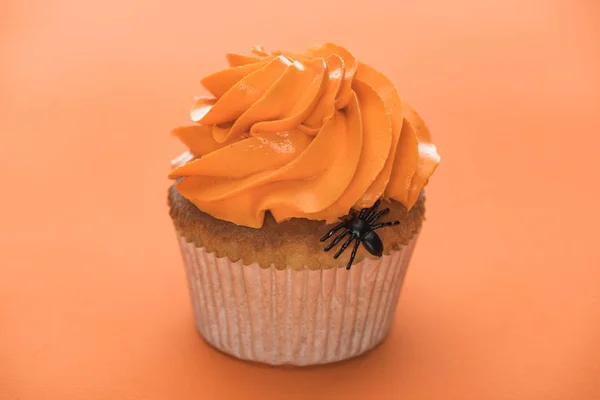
<point>305,135</point>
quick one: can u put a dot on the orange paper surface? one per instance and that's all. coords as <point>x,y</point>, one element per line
<point>502,298</point>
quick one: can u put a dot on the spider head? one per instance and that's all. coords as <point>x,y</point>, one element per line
<point>358,226</point>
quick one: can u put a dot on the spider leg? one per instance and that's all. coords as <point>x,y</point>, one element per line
<point>379,215</point>
<point>353,253</point>
<point>336,240</point>
<point>384,224</point>
<point>344,246</point>
<point>331,232</point>
<point>373,209</point>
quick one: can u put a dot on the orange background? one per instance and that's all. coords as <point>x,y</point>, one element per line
<point>502,300</point>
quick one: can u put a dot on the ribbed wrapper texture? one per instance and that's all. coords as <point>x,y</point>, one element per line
<point>287,316</point>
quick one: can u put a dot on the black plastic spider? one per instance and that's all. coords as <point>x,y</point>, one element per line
<point>361,228</point>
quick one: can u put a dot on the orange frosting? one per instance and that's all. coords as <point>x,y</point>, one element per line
<point>305,135</point>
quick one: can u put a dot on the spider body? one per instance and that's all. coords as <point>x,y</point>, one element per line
<point>372,242</point>
<point>361,229</point>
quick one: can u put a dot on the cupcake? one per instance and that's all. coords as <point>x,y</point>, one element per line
<point>298,204</point>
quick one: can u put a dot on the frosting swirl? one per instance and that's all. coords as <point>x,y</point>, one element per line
<point>305,135</point>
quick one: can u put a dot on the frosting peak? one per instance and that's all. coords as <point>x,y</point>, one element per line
<point>305,135</point>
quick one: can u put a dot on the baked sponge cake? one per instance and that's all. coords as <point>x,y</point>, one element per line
<point>298,204</point>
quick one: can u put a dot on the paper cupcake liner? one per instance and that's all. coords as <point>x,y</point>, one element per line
<point>287,316</point>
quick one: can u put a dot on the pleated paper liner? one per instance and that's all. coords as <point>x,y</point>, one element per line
<point>297,317</point>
